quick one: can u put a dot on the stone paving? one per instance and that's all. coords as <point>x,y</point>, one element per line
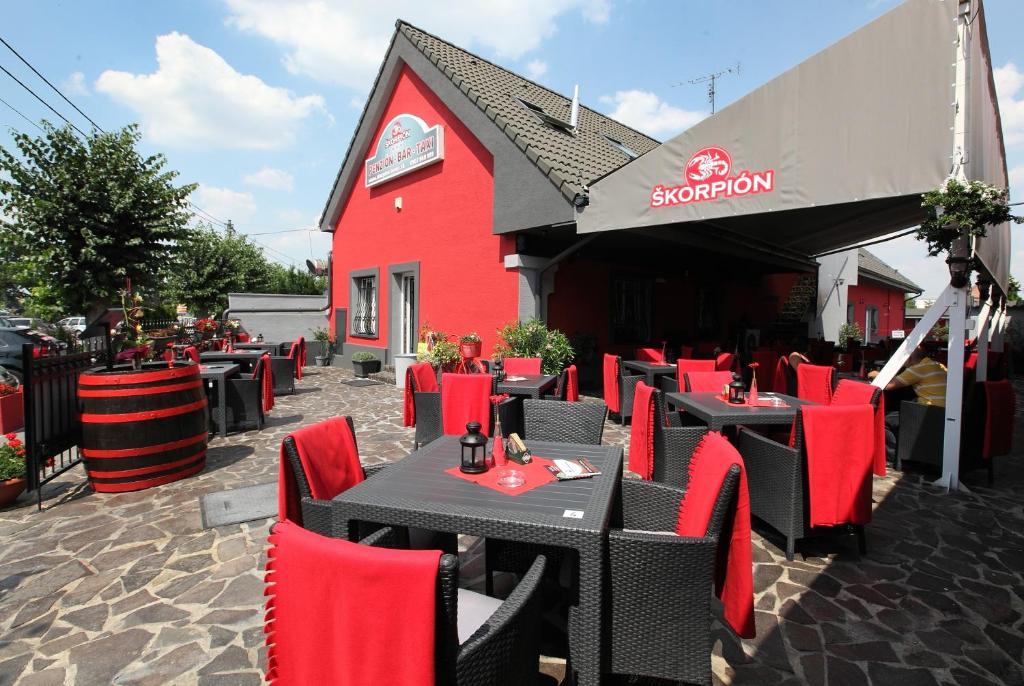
<point>129,589</point>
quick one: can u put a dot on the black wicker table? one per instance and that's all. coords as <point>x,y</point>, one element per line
<point>570,514</point>
<point>650,370</point>
<point>718,414</point>
<point>244,358</point>
<point>532,386</point>
<point>219,374</point>
<point>271,347</point>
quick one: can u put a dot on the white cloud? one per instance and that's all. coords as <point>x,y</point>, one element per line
<point>294,218</point>
<point>343,42</point>
<point>536,69</point>
<point>74,84</point>
<point>646,112</point>
<point>195,98</point>
<point>225,204</point>
<point>1017,183</point>
<point>274,179</point>
<point>357,103</point>
<point>1009,82</point>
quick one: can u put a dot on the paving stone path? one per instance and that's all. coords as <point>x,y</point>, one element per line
<point>130,589</point>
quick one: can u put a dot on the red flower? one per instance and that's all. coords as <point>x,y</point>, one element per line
<point>754,365</point>
<point>11,436</point>
<point>501,397</point>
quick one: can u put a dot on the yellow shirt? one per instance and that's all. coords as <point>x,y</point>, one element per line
<point>928,379</point>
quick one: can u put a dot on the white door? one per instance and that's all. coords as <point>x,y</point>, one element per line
<point>409,334</point>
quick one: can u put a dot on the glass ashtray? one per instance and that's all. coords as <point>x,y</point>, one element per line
<point>511,478</point>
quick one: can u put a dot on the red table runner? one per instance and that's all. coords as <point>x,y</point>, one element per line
<point>535,473</point>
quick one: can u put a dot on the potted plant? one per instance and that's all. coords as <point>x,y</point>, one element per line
<point>133,344</point>
<point>323,337</point>
<point>12,469</point>
<point>365,363</point>
<point>444,355</point>
<point>469,345</point>
<point>206,327</point>
<point>533,339</point>
<point>12,408</point>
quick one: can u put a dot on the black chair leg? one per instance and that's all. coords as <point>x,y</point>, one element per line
<point>790,547</point>
<point>862,539</point>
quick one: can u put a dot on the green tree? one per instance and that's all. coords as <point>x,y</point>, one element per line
<point>84,215</point>
<point>211,265</point>
<point>1013,290</point>
<point>295,281</point>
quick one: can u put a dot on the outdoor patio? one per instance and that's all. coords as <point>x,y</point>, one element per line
<point>130,589</point>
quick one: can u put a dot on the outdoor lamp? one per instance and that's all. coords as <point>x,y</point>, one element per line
<point>984,289</point>
<point>474,450</point>
<point>959,262</point>
<point>737,392</point>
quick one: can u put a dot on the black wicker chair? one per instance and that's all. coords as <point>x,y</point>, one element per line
<point>627,389</point>
<point>316,514</point>
<point>502,650</point>
<point>561,388</point>
<point>922,430</point>
<point>283,370</point>
<point>660,586</point>
<point>673,444</point>
<point>428,415</point>
<point>243,397</point>
<point>777,477</point>
<point>583,423</point>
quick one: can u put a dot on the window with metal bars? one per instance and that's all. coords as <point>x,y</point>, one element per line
<point>364,313</point>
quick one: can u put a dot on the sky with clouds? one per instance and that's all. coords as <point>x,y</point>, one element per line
<point>257,100</point>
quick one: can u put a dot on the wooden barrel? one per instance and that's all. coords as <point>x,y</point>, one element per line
<point>142,428</point>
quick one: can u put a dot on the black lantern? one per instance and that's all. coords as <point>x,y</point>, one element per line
<point>737,391</point>
<point>959,262</point>
<point>984,290</point>
<point>499,371</point>
<point>474,450</point>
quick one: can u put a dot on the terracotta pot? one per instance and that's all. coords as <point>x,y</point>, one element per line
<point>12,412</point>
<point>10,490</point>
<point>469,350</point>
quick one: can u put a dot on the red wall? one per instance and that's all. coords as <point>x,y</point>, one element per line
<point>445,224</point>
<point>889,302</point>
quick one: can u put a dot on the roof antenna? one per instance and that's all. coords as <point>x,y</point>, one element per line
<point>574,110</point>
<point>710,80</point>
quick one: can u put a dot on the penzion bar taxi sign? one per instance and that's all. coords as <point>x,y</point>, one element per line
<point>405,145</point>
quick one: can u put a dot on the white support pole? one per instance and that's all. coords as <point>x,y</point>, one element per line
<point>998,326</point>
<point>950,478</point>
<point>914,338</point>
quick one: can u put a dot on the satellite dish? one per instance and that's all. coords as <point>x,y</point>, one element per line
<point>310,266</point>
<point>317,267</point>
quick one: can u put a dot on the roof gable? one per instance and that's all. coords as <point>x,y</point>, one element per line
<point>871,267</point>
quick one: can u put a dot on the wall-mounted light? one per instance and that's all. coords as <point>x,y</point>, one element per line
<point>398,204</point>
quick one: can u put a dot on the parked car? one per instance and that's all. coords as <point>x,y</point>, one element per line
<point>11,340</point>
<point>76,324</point>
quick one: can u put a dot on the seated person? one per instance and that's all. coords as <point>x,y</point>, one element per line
<point>928,379</point>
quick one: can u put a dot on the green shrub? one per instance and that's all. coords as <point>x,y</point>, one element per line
<point>363,356</point>
<point>533,339</point>
<point>444,355</point>
<point>469,338</point>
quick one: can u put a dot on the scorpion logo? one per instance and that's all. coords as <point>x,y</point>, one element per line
<point>708,163</point>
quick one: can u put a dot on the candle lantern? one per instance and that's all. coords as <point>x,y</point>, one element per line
<point>737,392</point>
<point>474,450</point>
<point>499,371</point>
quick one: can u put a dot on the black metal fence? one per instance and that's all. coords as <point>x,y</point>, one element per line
<point>52,424</point>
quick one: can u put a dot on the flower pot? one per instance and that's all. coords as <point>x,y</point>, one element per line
<point>323,360</point>
<point>468,350</point>
<point>10,490</point>
<point>12,412</point>
<point>365,368</point>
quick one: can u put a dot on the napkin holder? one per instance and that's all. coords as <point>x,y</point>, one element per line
<point>517,451</point>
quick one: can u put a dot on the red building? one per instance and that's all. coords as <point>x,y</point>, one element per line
<point>878,301</point>
<point>456,205</point>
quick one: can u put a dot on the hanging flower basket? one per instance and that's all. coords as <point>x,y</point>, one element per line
<point>469,350</point>
<point>12,411</point>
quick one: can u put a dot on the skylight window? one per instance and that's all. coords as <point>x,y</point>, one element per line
<point>628,151</point>
<point>549,119</point>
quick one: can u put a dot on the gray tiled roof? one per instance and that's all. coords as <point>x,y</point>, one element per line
<point>872,267</point>
<point>569,160</point>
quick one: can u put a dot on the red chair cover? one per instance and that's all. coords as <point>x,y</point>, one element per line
<point>706,382</point>
<point>426,382</point>
<point>685,351</point>
<point>268,382</point>
<point>192,354</point>
<point>684,365</point>
<point>610,369</point>
<point>302,354</point>
<point>521,365</point>
<point>814,382</point>
<point>341,613</point>
<point>330,459</point>
<point>168,356</point>
<point>1000,405</point>
<point>724,362</point>
<point>734,582</point>
<point>779,382</point>
<point>641,434</point>
<point>295,353</point>
<point>465,398</point>
<point>650,354</point>
<point>572,383</point>
<point>242,337</point>
<point>765,360</point>
<point>838,441</point>
<point>850,392</point>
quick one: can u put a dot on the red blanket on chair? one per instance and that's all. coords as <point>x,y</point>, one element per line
<point>572,384</point>
<point>724,362</point>
<point>610,369</point>
<point>1000,405</point>
<point>734,582</point>
<point>268,382</point>
<point>521,365</point>
<point>344,613</point>
<point>465,398</point>
<point>330,459</point>
<point>192,353</point>
<point>838,441</point>
<point>650,354</point>
<point>295,353</point>
<point>850,392</point>
<point>706,382</point>
<point>641,434</point>
<point>426,382</point>
<point>684,365</point>
<point>814,382</point>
